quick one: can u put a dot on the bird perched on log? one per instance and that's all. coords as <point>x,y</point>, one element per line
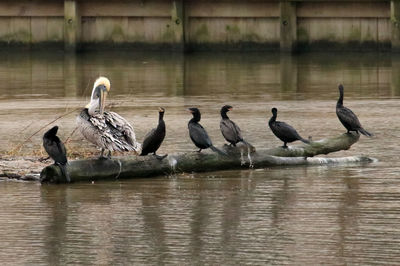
<point>347,117</point>
<point>232,133</point>
<point>107,130</point>
<point>56,150</point>
<point>283,131</point>
<point>198,134</point>
<point>153,139</point>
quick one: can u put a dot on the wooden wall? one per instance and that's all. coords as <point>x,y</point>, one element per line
<point>202,24</point>
<point>352,23</point>
<point>31,22</point>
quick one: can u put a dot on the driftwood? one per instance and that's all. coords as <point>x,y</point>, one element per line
<point>135,166</point>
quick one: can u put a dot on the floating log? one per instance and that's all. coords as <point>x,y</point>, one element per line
<point>137,166</point>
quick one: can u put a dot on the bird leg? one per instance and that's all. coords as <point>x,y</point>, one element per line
<point>199,150</point>
<point>251,165</point>
<point>242,161</point>
<point>102,154</point>
<point>284,145</point>
<point>102,157</point>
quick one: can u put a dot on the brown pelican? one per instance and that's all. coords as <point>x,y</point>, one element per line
<point>107,130</point>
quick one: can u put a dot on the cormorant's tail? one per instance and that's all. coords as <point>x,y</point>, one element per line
<point>160,157</point>
<point>305,141</point>
<point>364,132</point>
<point>218,150</point>
<point>63,168</point>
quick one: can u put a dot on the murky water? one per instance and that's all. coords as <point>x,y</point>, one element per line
<point>297,215</point>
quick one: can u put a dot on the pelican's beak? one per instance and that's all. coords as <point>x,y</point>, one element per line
<point>102,98</point>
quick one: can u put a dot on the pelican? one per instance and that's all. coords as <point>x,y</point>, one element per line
<point>107,130</point>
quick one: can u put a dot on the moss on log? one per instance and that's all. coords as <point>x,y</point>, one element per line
<point>135,166</point>
<point>324,146</point>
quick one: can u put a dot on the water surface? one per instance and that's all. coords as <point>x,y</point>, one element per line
<point>297,215</point>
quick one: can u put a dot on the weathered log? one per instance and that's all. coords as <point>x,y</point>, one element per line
<point>324,146</point>
<point>135,166</point>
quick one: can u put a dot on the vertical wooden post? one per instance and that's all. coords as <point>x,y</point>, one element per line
<point>395,82</point>
<point>395,20</point>
<point>71,82</point>
<point>288,25</point>
<point>178,22</point>
<point>186,7</point>
<point>289,73</point>
<point>72,25</point>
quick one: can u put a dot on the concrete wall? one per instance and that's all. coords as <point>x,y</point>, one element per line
<point>201,24</point>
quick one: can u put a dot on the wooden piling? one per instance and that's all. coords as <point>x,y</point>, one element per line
<point>288,26</point>
<point>72,25</point>
<point>395,22</point>
<point>178,23</point>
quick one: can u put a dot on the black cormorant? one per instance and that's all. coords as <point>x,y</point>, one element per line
<point>155,137</point>
<point>347,117</point>
<point>56,149</point>
<point>232,132</point>
<point>198,134</point>
<point>229,129</point>
<point>283,131</point>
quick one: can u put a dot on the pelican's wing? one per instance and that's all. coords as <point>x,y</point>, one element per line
<point>122,130</point>
<point>94,129</point>
<point>100,133</point>
<point>108,131</point>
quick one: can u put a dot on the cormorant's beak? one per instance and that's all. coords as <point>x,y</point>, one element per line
<point>230,108</point>
<point>102,98</point>
<point>190,111</point>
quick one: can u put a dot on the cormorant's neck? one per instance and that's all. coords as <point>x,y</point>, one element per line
<point>224,115</point>
<point>160,116</point>
<point>272,119</point>
<point>340,100</point>
<point>48,135</point>
<point>196,118</point>
<point>161,123</point>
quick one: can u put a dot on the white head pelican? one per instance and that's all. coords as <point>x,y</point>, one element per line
<point>107,130</point>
